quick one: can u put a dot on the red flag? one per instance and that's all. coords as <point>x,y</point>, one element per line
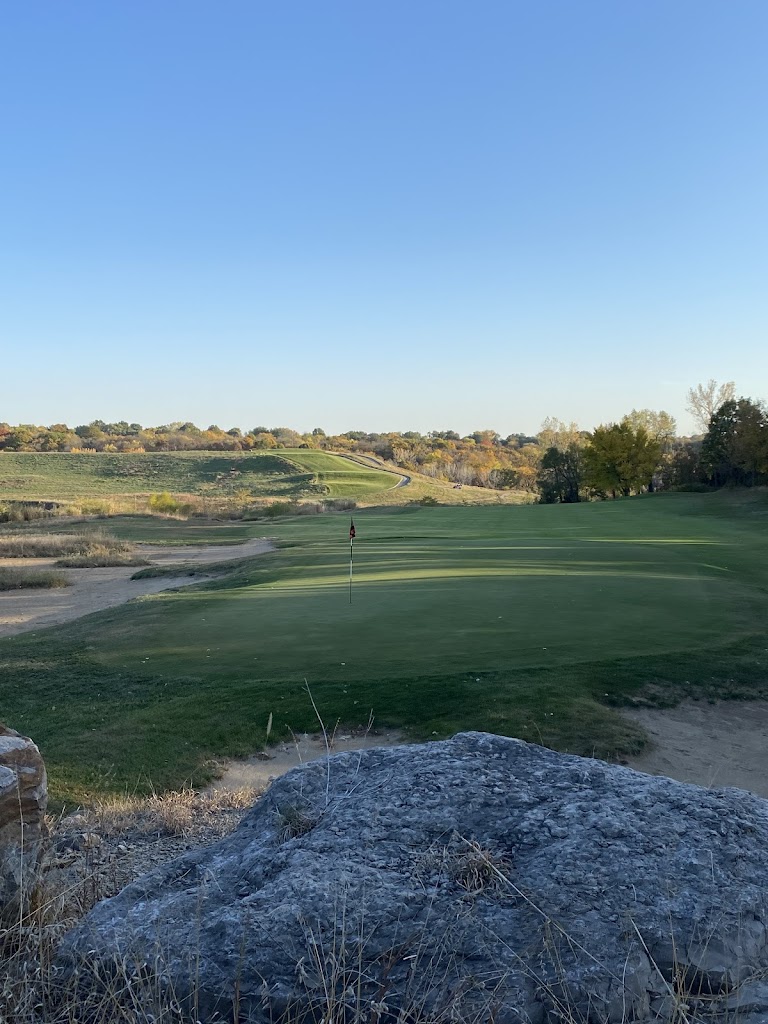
<point>352,533</point>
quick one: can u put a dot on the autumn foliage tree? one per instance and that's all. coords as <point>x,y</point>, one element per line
<point>620,459</point>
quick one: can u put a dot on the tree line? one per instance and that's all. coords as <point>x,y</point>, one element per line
<point>561,463</point>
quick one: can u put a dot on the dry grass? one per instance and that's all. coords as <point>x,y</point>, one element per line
<point>28,579</point>
<point>101,556</point>
<point>91,855</point>
<point>165,814</point>
<point>344,985</point>
<point>294,822</point>
<point>20,544</point>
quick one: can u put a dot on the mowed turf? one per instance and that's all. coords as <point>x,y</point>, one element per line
<point>57,476</point>
<point>529,621</point>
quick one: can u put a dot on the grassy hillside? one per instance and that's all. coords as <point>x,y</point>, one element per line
<point>529,621</point>
<point>291,473</point>
<point>287,474</point>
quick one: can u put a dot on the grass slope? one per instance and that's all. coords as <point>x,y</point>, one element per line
<point>529,621</point>
<point>55,476</point>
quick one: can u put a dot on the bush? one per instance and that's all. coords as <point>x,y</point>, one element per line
<point>429,500</point>
<point>27,512</point>
<point>164,504</point>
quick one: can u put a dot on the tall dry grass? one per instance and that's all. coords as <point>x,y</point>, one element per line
<point>83,549</point>
<point>342,982</point>
<point>31,579</point>
<point>57,545</point>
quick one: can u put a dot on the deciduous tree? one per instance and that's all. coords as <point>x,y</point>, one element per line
<point>620,460</point>
<point>705,399</point>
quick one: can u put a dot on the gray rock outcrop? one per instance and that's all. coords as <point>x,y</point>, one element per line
<point>23,802</point>
<point>479,878</point>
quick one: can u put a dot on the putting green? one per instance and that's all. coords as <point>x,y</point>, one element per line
<point>523,620</point>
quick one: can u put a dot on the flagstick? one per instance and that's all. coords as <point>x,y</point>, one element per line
<point>351,543</point>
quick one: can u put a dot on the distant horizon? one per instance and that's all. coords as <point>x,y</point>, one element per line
<point>401,216</point>
<point>225,426</point>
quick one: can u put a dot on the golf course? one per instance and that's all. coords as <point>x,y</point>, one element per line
<point>58,476</point>
<point>530,621</point>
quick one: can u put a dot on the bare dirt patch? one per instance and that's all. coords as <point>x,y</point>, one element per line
<point>257,771</point>
<point>92,590</point>
<point>712,745</point>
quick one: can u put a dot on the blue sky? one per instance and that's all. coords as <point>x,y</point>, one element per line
<point>400,215</point>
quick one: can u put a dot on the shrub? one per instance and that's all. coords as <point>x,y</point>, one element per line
<point>164,504</point>
<point>27,512</point>
<point>428,500</point>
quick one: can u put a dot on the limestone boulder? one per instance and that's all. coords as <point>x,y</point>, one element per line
<point>480,878</point>
<point>23,802</point>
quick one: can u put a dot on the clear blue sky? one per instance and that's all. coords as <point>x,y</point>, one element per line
<point>380,215</point>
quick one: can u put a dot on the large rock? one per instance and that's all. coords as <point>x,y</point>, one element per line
<point>23,801</point>
<point>480,877</point>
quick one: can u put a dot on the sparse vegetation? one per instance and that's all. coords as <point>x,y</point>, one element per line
<point>294,822</point>
<point>31,579</point>
<point>93,853</point>
<point>90,856</point>
<point>62,545</point>
<point>101,557</point>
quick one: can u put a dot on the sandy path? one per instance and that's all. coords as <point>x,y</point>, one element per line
<point>95,589</point>
<point>723,744</point>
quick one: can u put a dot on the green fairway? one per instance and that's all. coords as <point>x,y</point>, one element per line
<point>57,476</point>
<point>529,621</point>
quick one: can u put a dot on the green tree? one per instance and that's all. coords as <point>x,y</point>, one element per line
<point>620,460</point>
<point>561,474</point>
<point>735,448</point>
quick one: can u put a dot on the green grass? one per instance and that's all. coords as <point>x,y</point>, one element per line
<point>527,621</point>
<point>58,476</point>
<point>130,478</point>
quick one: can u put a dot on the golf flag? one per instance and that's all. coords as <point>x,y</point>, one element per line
<point>352,529</point>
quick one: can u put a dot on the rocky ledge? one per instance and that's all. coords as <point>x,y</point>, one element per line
<point>480,878</point>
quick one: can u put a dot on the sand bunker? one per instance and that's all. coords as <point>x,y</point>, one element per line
<point>713,745</point>
<point>93,590</point>
<point>260,769</point>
